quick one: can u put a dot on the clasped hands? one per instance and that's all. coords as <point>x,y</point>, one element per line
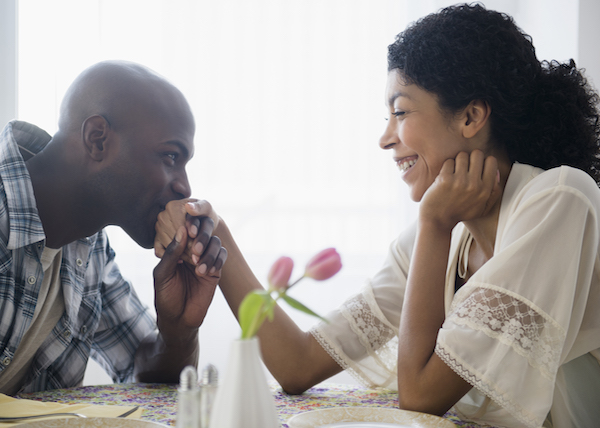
<point>190,268</point>
<point>196,220</point>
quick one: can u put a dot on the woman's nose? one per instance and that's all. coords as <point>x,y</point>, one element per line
<point>389,138</point>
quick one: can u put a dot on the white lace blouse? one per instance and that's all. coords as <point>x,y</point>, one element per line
<point>524,330</point>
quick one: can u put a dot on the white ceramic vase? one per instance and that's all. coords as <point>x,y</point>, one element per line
<point>244,399</point>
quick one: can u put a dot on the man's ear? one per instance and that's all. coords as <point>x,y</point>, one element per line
<point>95,131</point>
<point>476,115</point>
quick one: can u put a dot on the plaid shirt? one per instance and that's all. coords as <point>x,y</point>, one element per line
<point>103,316</point>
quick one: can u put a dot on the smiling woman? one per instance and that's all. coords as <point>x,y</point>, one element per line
<point>287,97</point>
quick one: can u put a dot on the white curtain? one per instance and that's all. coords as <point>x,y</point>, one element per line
<point>288,99</point>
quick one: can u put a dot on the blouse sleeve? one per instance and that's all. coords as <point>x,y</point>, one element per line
<point>362,335</point>
<point>519,316</point>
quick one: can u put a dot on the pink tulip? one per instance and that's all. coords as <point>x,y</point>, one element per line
<point>324,265</point>
<point>279,275</point>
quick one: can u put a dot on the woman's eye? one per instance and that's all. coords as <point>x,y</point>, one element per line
<point>397,113</point>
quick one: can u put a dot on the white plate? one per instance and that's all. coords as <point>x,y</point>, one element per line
<point>367,417</point>
<point>90,423</point>
<point>363,425</point>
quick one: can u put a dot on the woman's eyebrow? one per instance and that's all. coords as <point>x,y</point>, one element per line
<point>396,95</point>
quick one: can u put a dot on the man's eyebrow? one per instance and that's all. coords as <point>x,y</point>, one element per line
<point>182,147</point>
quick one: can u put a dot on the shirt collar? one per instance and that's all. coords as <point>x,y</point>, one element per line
<point>20,141</point>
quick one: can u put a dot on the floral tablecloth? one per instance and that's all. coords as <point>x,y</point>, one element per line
<point>160,401</point>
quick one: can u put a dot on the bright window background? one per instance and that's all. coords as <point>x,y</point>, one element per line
<point>288,99</point>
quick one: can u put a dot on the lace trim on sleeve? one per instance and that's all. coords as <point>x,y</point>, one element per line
<point>513,321</point>
<point>375,334</point>
<point>368,322</point>
<point>337,355</point>
<point>503,400</point>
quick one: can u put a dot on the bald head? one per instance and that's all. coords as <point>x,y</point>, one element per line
<point>124,138</point>
<point>124,93</point>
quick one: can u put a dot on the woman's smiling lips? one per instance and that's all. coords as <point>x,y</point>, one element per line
<point>405,163</point>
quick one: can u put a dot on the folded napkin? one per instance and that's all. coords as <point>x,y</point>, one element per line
<point>10,406</point>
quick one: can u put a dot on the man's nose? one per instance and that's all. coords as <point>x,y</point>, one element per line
<point>181,186</point>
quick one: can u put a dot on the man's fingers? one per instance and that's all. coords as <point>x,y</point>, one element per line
<point>220,260</point>
<point>213,258</point>
<point>205,230</point>
<point>193,225</point>
<point>172,253</point>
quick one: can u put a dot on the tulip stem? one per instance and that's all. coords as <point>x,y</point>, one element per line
<point>295,282</point>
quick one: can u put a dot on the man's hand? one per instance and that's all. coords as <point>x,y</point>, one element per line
<point>182,297</point>
<point>466,188</point>
<point>182,294</point>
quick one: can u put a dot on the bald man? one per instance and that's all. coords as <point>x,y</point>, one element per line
<point>125,136</point>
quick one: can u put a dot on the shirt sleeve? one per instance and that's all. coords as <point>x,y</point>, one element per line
<point>518,317</point>
<point>362,335</point>
<point>124,322</point>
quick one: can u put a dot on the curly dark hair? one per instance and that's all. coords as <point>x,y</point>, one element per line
<point>544,114</point>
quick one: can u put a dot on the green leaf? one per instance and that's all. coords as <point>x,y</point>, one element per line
<point>297,305</point>
<point>249,314</point>
<point>265,294</point>
<point>270,309</point>
<point>256,306</point>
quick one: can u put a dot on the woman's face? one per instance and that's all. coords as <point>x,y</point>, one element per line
<point>419,134</point>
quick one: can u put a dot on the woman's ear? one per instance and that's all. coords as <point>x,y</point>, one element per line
<point>476,115</point>
<point>95,132</point>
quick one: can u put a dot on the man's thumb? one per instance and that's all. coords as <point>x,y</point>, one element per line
<point>172,254</point>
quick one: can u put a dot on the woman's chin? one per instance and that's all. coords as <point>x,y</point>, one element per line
<point>416,196</point>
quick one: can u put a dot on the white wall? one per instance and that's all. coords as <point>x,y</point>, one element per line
<point>288,96</point>
<point>8,60</point>
<point>589,38</point>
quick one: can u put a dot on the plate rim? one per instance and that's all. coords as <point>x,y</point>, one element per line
<point>385,409</point>
<point>29,423</point>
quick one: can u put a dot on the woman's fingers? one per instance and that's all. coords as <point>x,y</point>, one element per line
<point>167,223</point>
<point>202,208</point>
<point>466,187</point>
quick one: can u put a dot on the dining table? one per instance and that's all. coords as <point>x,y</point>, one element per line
<point>159,401</point>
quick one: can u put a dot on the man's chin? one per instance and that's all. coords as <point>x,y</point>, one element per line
<point>144,240</point>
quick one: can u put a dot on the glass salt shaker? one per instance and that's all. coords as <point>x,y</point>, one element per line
<point>208,390</point>
<point>188,398</point>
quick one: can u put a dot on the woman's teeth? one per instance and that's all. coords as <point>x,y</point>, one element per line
<point>403,166</point>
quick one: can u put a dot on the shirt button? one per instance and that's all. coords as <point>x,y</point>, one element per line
<point>31,280</point>
<point>79,262</point>
<point>6,361</point>
<point>84,329</point>
<point>66,334</point>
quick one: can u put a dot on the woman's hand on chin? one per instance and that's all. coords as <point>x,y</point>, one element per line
<point>466,188</point>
